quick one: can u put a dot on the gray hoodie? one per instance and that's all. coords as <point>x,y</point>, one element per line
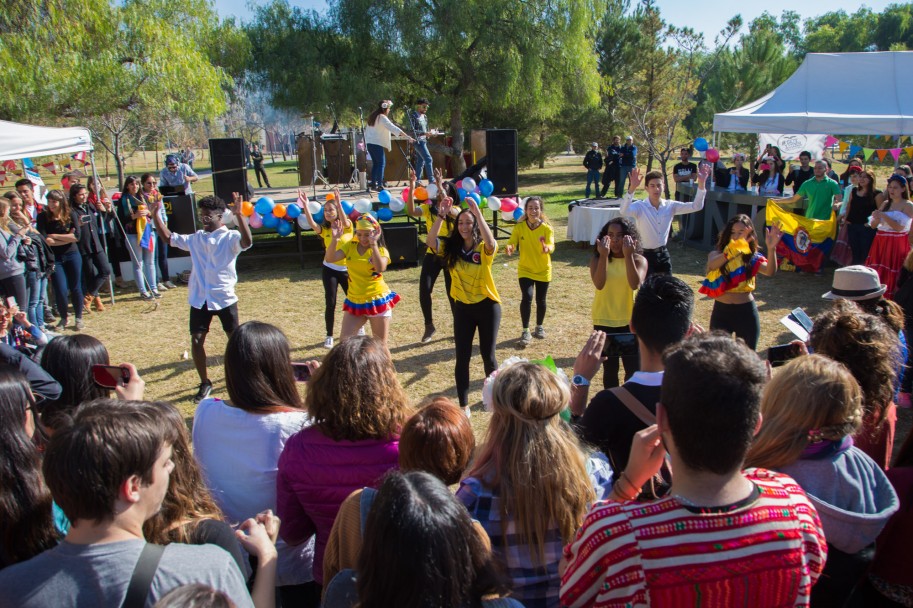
<point>9,245</point>
<point>853,496</point>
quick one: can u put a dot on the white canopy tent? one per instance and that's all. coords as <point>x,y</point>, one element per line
<point>820,97</point>
<point>24,141</point>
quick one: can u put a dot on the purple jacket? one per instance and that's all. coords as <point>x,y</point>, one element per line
<point>316,474</point>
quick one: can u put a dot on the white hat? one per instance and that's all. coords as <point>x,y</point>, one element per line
<point>631,137</point>
<point>855,283</point>
<point>594,145</point>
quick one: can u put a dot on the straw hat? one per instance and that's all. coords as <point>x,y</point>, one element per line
<point>855,283</point>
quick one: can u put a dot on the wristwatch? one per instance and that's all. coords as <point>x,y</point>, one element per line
<point>579,380</point>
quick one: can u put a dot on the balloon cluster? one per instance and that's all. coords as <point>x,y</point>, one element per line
<point>702,145</point>
<point>266,213</point>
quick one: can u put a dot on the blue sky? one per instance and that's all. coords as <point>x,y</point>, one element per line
<point>707,16</point>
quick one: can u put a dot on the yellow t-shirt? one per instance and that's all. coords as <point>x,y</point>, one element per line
<point>472,280</point>
<point>365,285</point>
<point>326,235</point>
<point>429,218</point>
<point>533,264</point>
<point>614,303</point>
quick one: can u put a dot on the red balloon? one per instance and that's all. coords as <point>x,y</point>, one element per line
<point>712,154</point>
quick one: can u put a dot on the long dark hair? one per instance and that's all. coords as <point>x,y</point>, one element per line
<point>74,190</point>
<point>258,369</point>
<point>440,560</point>
<point>726,236</point>
<point>69,359</point>
<point>380,109</point>
<point>450,191</point>
<point>63,210</point>
<point>453,244</point>
<point>26,519</point>
<point>628,228</point>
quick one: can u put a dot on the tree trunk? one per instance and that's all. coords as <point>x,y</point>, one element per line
<point>649,162</point>
<point>456,129</point>
<point>542,147</point>
<point>663,163</point>
<point>118,160</point>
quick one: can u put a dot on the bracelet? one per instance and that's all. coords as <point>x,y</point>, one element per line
<point>624,476</point>
<point>616,490</point>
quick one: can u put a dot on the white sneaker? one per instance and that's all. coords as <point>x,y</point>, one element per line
<point>169,285</point>
<point>328,343</point>
<point>162,287</point>
<point>361,331</point>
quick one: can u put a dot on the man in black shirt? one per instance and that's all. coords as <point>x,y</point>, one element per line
<point>612,157</point>
<point>661,317</point>
<point>802,173</point>
<point>593,163</point>
<point>682,173</point>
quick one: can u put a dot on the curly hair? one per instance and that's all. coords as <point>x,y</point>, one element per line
<point>866,346</point>
<point>887,310</point>
<point>628,228</point>
<point>812,393</point>
<point>355,394</point>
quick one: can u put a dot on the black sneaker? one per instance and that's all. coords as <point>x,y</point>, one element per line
<point>205,389</point>
<point>429,333</point>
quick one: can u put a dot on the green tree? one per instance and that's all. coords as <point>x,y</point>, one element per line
<point>895,28</point>
<point>838,32</point>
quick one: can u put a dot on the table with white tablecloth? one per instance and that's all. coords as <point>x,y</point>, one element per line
<point>586,219</point>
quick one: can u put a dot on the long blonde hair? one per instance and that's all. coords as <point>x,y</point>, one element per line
<point>4,214</point>
<point>533,459</point>
<point>811,398</point>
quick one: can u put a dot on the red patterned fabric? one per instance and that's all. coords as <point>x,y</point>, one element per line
<point>765,551</point>
<point>886,256</point>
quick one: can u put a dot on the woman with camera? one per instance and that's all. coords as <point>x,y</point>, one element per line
<point>12,269</point>
<point>94,259</point>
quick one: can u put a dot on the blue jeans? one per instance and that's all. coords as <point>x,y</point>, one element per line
<point>35,287</point>
<point>622,178</point>
<point>67,279</point>
<point>378,160</point>
<point>143,266</point>
<point>423,160</point>
<point>592,177</point>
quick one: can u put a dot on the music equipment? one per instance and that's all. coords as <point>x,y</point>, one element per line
<point>306,160</point>
<point>338,154</point>
<point>501,152</point>
<point>182,219</point>
<point>402,243</point>
<point>229,170</point>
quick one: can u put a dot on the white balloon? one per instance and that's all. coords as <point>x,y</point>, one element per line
<point>432,190</point>
<point>469,184</point>
<point>313,207</point>
<point>303,222</point>
<point>397,204</point>
<point>363,205</point>
<point>228,218</point>
<point>494,203</point>
<point>507,216</point>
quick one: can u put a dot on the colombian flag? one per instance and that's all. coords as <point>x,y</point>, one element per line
<point>806,243</point>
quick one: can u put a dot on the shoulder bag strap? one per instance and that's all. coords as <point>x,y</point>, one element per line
<point>367,499</point>
<point>632,403</point>
<point>143,573</point>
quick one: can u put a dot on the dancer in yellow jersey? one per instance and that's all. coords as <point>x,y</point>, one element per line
<point>468,255</point>
<point>535,239</point>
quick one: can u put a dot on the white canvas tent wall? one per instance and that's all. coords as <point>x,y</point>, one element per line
<point>846,93</point>
<point>25,141</point>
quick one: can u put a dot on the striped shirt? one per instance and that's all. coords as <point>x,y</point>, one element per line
<point>767,550</point>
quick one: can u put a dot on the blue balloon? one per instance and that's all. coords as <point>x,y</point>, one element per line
<point>384,197</point>
<point>384,214</point>
<point>292,211</point>
<point>701,144</point>
<point>270,221</point>
<point>284,228</point>
<point>475,196</point>
<point>318,217</point>
<point>264,205</point>
<point>461,193</point>
<point>347,207</point>
<point>486,187</point>
<point>518,213</point>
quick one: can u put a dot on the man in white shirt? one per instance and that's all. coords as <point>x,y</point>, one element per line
<point>213,252</point>
<point>654,215</point>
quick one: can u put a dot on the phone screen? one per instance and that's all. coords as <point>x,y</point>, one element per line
<point>802,319</point>
<point>108,376</point>
<point>782,353</point>
<point>301,372</point>
<point>621,345</point>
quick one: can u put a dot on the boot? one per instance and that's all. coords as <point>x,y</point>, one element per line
<point>86,303</point>
<point>99,305</point>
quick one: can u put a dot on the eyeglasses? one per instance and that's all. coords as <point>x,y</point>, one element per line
<point>208,217</point>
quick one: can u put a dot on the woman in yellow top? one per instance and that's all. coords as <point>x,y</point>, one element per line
<point>368,297</point>
<point>535,239</point>
<point>731,271</point>
<point>468,255</point>
<point>431,264</point>
<point>334,273</point>
<point>617,270</point>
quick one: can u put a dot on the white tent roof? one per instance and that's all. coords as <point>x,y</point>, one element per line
<point>847,93</point>
<point>24,141</point>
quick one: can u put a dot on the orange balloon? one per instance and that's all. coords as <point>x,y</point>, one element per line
<point>279,210</point>
<point>421,194</point>
<point>330,197</point>
<point>247,208</point>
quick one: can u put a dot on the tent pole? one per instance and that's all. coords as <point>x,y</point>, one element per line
<point>104,232</point>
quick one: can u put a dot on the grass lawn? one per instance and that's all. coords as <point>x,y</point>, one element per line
<point>278,291</point>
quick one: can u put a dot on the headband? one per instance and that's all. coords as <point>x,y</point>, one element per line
<point>366,222</point>
<point>898,178</point>
<point>385,104</point>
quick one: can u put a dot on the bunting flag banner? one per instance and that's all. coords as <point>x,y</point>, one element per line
<point>52,167</point>
<point>2,177</point>
<point>27,163</point>
<point>854,150</point>
<point>909,151</point>
<point>806,243</point>
<point>895,152</point>
<point>881,154</point>
<point>843,146</point>
<point>830,141</point>
<point>868,152</point>
<point>81,157</point>
<point>68,167</point>
<point>9,165</point>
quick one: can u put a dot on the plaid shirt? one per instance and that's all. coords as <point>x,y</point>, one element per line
<point>534,584</point>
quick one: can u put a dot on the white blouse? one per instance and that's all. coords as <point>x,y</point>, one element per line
<point>380,132</point>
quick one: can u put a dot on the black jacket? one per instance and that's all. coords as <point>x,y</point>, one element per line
<point>593,160</point>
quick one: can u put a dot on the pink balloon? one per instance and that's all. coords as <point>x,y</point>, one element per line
<point>405,194</point>
<point>712,154</point>
<point>508,204</point>
<point>458,184</point>
<point>255,220</point>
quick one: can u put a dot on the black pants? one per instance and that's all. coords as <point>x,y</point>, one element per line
<point>608,176</point>
<point>526,300</point>
<point>739,319</point>
<point>95,271</point>
<point>610,365</point>
<point>431,268</point>
<point>258,171</point>
<point>332,279</point>
<point>860,239</point>
<point>658,260</point>
<point>486,317</point>
<point>161,259</point>
<point>14,287</point>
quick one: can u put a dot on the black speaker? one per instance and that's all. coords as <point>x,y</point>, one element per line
<point>229,171</point>
<point>402,243</point>
<point>182,219</point>
<point>501,150</point>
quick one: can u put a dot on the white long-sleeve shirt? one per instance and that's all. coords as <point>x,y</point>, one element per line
<point>653,223</point>
<point>379,133</point>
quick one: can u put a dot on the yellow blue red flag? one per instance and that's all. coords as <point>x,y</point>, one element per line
<point>806,243</point>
